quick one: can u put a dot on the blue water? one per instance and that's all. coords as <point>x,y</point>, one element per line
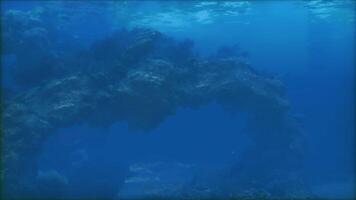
<point>309,45</point>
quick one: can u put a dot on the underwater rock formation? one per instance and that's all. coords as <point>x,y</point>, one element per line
<point>38,43</point>
<point>142,85</point>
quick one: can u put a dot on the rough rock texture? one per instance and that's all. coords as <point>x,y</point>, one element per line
<point>141,87</point>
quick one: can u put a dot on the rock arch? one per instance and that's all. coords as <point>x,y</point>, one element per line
<point>143,94</point>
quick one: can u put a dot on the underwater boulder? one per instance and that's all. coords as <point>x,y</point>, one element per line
<point>161,179</point>
<point>51,184</point>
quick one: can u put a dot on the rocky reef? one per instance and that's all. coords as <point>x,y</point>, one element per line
<point>140,76</point>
